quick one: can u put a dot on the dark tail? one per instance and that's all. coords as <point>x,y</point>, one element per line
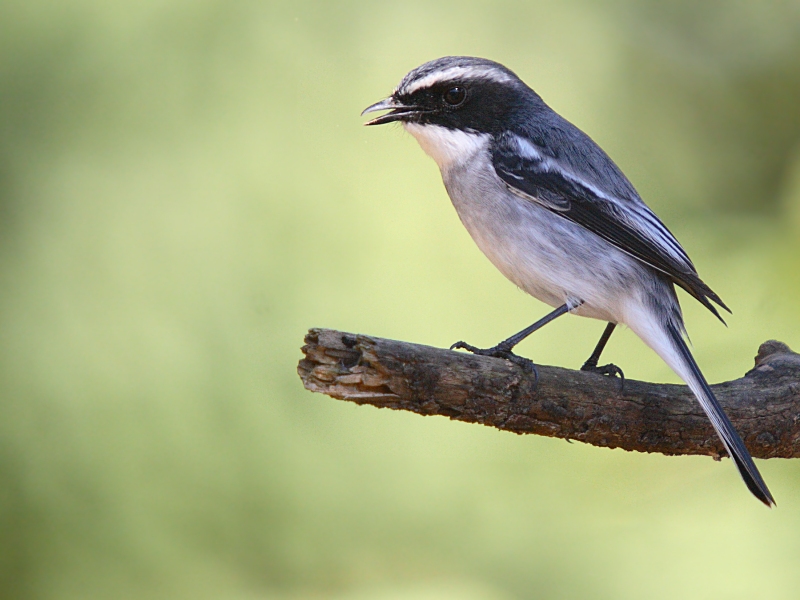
<point>730,438</point>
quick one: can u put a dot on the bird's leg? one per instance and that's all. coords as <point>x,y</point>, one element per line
<point>504,348</point>
<point>609,369</point>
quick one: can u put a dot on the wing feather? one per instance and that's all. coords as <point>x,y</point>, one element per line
<point>627,223</point>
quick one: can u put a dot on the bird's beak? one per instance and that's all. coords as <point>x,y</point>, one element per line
<point>398,111</point>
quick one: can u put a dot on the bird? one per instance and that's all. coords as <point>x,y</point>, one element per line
<point>555,215</point>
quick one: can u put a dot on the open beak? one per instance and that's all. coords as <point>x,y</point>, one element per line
<point>398,111</point>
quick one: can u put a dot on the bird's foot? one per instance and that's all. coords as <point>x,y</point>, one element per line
<point>498,351</point>
<point>609,370</point>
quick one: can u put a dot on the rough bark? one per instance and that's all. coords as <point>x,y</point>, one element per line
<point>764,405</point>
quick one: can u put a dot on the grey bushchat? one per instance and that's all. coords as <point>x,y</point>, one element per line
<point>557,217</point>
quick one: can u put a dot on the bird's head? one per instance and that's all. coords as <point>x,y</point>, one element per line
<point>451,102</point>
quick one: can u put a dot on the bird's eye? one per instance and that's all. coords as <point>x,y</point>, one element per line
<point>455,96</point>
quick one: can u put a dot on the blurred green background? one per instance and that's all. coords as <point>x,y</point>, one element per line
<point>186,188</point>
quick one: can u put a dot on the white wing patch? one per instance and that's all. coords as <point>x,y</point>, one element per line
<point>636,213</point>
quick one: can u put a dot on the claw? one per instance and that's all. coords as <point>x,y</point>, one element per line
<point>525,364</point>
<point>609,370</point>
<point>465,346</point>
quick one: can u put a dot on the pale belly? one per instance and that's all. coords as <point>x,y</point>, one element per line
<point>546,255</point>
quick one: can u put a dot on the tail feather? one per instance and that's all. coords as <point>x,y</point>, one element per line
<point>730,438</point>
<point>665,335</point>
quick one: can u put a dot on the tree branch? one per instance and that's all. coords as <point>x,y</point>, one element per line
<point>764,405</point>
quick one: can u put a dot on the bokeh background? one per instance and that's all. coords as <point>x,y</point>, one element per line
<point>186,188</point>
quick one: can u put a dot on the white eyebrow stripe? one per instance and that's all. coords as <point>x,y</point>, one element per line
<point>473,72</point>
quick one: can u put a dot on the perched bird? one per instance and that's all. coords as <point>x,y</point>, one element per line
<point>557,217</point>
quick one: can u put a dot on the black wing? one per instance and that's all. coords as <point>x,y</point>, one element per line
<point>627,223</point>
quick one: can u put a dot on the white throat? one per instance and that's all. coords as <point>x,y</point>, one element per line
<point>447,147</point>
